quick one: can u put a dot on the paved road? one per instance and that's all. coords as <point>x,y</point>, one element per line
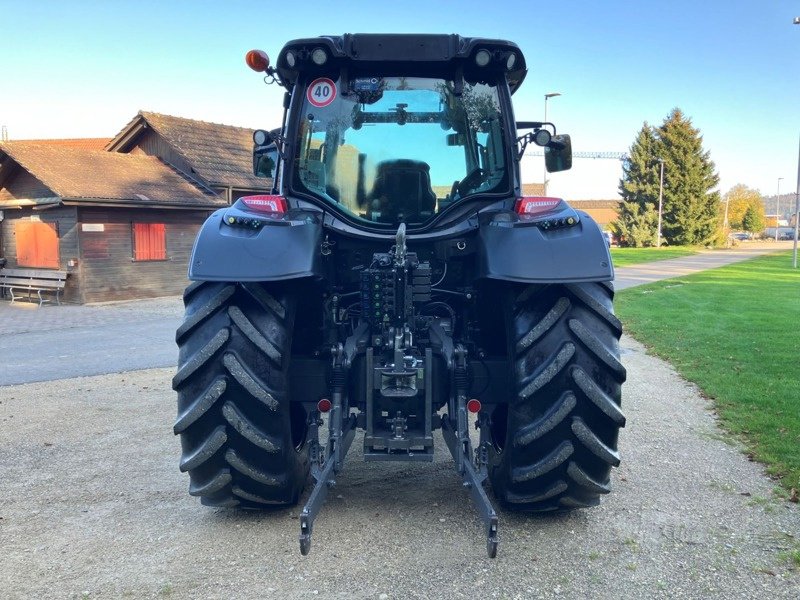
<point>100,338</point>
<point>127,336</point>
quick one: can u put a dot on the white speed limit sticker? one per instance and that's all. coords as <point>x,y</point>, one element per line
<point>321,92</point>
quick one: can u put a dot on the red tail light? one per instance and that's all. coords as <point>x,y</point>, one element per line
<point>265,203</point>
<point>324,405</point>
<point>536,205</point>
<point>474,405</point>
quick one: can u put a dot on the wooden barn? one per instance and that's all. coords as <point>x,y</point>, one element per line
<point>120,215</point>
<point>220,157</point>
<point>121,225</point>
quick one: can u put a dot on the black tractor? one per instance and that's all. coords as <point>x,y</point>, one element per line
<point>396,280</point>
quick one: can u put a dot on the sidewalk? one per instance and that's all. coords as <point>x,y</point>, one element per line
<point>677,267</point>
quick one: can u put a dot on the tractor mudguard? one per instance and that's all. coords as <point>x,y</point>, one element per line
<point>525,251</point>
<point>255,248</point>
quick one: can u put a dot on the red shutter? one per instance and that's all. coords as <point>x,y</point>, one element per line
<point>149,241</point>
<point>158,241</point>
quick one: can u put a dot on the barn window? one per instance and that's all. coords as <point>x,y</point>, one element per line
<point>37,244</point>
<point>149,241</point>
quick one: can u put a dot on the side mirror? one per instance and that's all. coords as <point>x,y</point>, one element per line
<point>265,154</point>
<point>558,154</point>
<point>265,159</point>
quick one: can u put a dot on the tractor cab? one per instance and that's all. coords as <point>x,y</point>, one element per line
<point>390,129</point>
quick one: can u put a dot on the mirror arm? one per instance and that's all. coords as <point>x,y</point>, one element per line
<point>522,142</point>
<point>537,125</point>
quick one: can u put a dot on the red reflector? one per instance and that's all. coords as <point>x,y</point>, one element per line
<point>324,405</point>
<point>257,60</point>
<point>534,205</point>
<point>474,405</point>
<point>265,203</point>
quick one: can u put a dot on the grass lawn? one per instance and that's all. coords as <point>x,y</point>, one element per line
<point>734,332</point>
<point>623,257</point>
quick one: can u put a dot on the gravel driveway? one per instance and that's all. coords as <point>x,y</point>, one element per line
<point>93,506</point>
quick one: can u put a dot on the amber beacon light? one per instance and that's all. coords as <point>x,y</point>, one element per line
<point>257,60</point>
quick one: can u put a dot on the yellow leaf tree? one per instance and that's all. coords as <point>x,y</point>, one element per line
<point>738,199</point>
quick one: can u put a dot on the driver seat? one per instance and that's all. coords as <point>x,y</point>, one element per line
<point>402,192</point>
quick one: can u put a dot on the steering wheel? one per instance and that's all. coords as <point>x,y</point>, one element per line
<point>469,182</point>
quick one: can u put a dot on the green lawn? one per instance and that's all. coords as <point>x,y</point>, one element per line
<point>734,332</point>
<point>623,257</point>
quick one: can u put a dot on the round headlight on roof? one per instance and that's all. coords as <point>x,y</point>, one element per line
<point>260,137</point>
<point>291,59</point>
<point>319,56</point>
<point>482,58</point>
<point>511,61</point>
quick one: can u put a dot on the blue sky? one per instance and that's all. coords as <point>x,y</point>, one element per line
<point>83,69</point>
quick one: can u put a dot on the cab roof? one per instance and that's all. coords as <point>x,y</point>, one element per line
<point>411,54</point>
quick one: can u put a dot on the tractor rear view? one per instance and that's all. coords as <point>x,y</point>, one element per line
<point>397,281</point>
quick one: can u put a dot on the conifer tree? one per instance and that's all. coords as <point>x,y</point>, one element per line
<point>636,224</point>
<point>690,213</point>
<point>691,208</point>
<point>753,221</point>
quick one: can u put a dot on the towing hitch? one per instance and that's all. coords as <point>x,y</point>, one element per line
<point>470,464</point>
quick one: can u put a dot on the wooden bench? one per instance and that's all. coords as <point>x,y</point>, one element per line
<point>33,280</point>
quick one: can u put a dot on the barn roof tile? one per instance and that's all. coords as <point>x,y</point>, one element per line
<point>87,175</point>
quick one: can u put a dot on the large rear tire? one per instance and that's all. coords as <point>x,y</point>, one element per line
<point>243,440</point>
<point>556,440</point>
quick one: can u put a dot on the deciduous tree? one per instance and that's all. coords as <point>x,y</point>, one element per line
<point>738,199</point>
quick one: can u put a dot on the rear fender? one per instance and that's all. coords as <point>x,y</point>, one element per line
<point>273,248</point>
<point>511,249</point>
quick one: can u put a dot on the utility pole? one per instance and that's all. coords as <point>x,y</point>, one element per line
<point>777,209</point>
<point>661,202</point>
<point>796,21</point>
<point>544,168</point>
<point>796,197</point>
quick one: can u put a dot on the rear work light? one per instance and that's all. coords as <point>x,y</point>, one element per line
<point>265,203</point>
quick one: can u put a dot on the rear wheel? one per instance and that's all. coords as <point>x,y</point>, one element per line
<point>556,440</point>
<point>243,440</point>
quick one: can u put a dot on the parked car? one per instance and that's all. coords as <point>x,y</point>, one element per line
<point>609,238</point>
<point>742,235</point>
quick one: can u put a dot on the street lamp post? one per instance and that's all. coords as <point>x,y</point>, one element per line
<point>796,201</point>
<point>661,202</point>
<point>544,168</point>
<point>796,21</point>
<point>777,209</point>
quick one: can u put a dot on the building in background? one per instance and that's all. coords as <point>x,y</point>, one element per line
<point>120,215</point>
<point>219,157</point>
